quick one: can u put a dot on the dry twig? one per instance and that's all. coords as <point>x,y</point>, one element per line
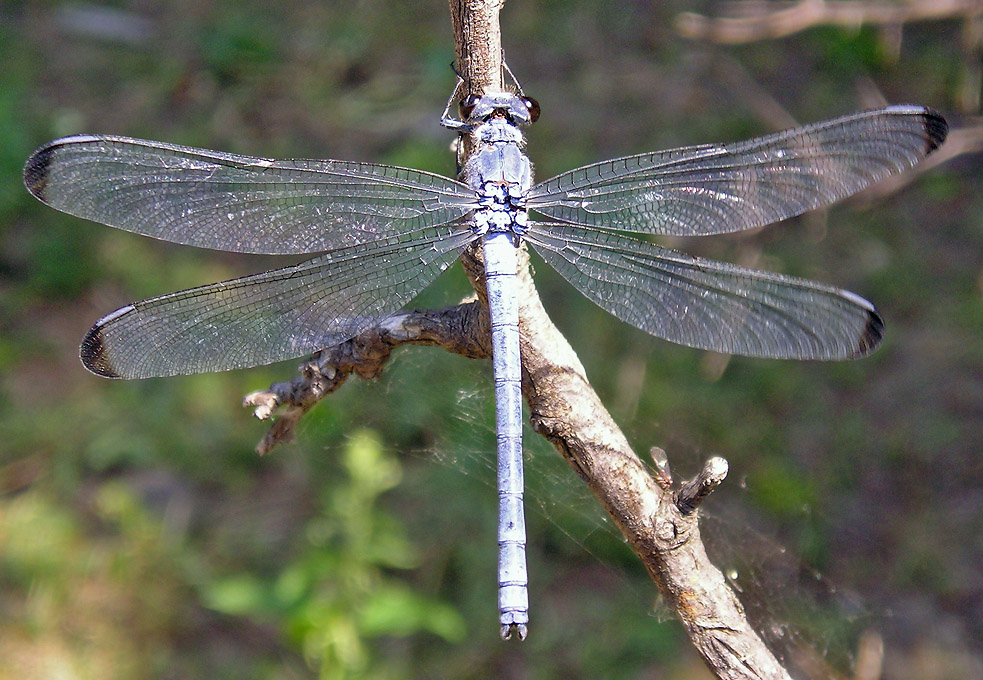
<point>752,20</point>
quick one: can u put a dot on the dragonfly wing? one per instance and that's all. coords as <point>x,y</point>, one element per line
<point>712,189</point>
<point>707,304</point>
<point>223,201</point>
<point>269,317</point>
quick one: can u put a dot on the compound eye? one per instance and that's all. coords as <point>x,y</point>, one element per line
<point>532,106</point>
<point>466,106</point>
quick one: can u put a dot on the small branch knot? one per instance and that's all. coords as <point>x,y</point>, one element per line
<point>692,493</point>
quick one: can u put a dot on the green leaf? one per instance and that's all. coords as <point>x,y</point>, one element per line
<point>395,610</point>
<point>236,595</point>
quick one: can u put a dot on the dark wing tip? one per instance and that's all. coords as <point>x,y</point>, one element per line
<point>94,353</point>
<point>36,170</point>
<point>937,129</point>
<point>871,336</point>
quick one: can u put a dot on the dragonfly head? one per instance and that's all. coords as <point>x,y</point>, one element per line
<point>517,109</point>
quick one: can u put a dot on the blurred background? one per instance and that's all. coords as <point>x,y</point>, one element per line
<point>141,536</point>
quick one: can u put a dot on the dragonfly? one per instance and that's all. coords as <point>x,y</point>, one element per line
<point>381,234</point>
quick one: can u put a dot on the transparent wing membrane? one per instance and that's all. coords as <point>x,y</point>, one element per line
<point>712,189</point>
<point>707,304</point>
<point>281,314</point>
<point>223,201</point>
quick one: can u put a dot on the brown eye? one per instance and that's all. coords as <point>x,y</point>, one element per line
<point>532,106</point>
<point>466,105</point>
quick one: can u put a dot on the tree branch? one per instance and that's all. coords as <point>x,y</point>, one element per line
<point>563,408</point>
<point>462,329</point>
<point>752,20</point>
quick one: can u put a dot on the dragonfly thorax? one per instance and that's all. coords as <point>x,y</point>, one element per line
<point>503,209</point>
<point>498,130</point>
<point>501,175</point>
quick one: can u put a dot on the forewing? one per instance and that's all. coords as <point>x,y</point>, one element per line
<point>707,304</point>
<point>269,317</point>
<point>713,189</point>
<point>223,201</point>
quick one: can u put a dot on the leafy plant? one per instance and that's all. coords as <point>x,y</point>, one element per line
<point>337,595</point>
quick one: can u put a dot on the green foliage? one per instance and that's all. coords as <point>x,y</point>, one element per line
<point>232,48</point>
<point>335,596</point>
<point>62,256</point>
<point>850,52</point>
<point>107,609</point>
